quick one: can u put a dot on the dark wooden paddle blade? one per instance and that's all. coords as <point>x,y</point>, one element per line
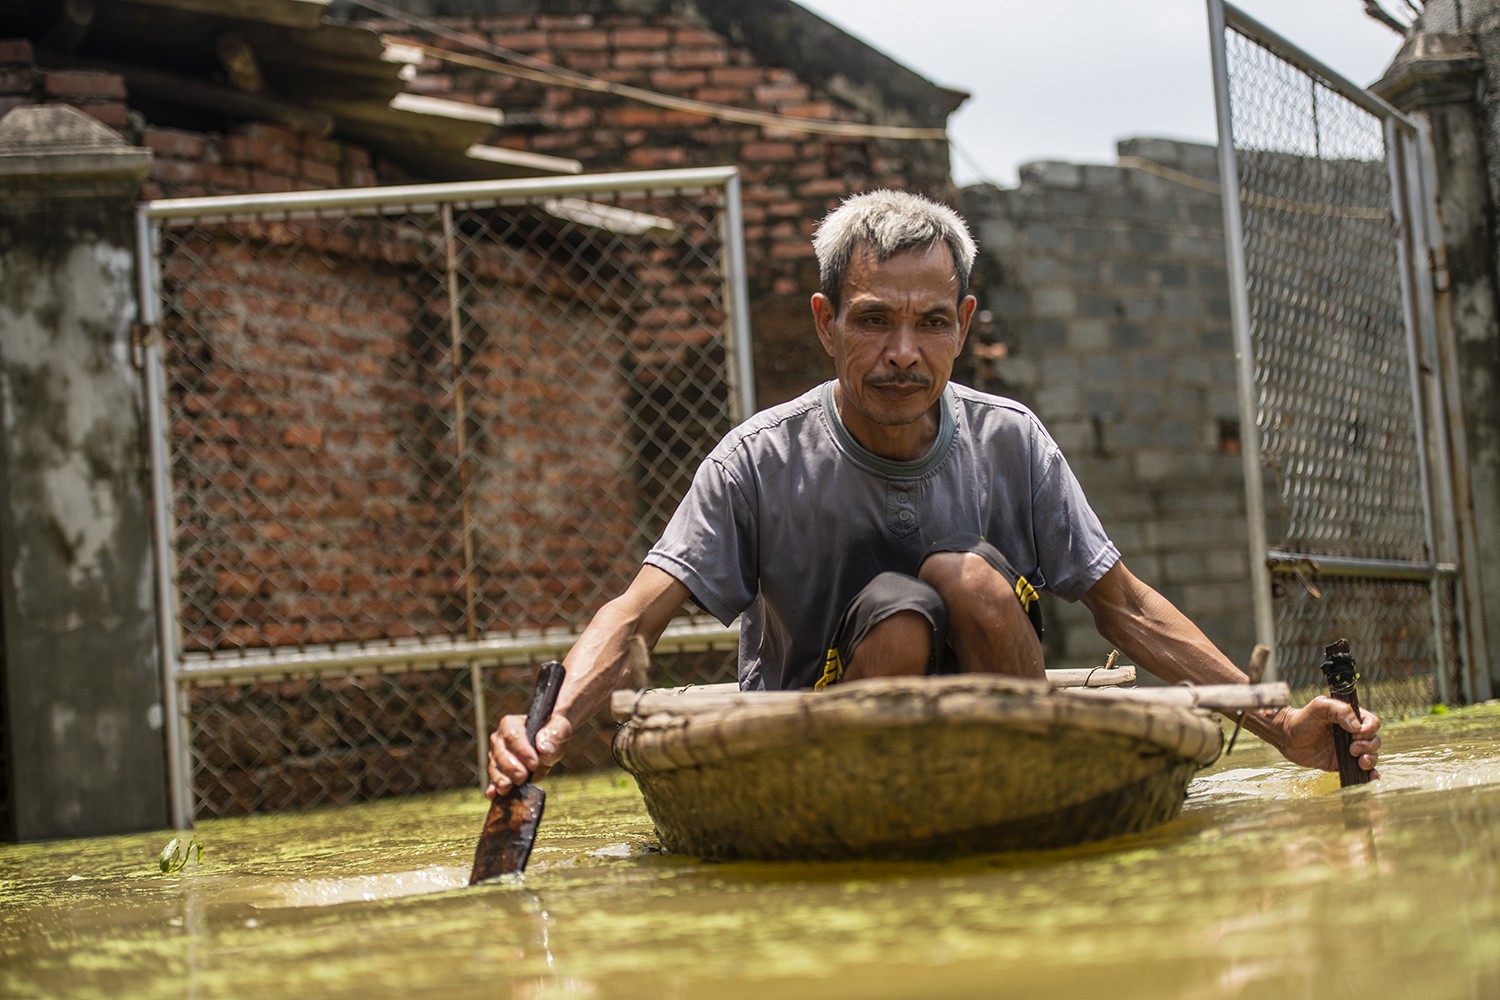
<point>510,828</point>
<point>509,831</point>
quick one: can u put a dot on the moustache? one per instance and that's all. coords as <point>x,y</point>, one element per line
<point>898,381</point>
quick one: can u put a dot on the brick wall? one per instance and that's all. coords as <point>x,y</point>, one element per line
<point>1108,312</point>
<point>316,441</point>
<point>790,179</point>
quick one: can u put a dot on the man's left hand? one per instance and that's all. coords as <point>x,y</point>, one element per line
<point>1307,739</point>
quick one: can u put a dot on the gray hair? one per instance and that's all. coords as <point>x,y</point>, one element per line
<point>888,222</point>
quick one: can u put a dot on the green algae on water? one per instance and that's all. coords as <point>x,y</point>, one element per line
<point>1249,893</point>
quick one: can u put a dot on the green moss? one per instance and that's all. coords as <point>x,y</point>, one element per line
<point>1250,891</point>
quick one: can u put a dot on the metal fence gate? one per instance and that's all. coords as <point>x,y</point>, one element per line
<point>1352,520</point>
<point>405,441</point>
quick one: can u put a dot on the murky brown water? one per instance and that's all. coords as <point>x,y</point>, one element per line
<point>1271,884</point>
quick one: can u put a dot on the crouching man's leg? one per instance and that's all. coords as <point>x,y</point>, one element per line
<point>895,626</point>
<point>994,623</point>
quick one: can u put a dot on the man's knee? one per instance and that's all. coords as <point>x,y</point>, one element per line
<point>898,645</point>
<point>976,581</point>
<point>960,575</point>
<point>894,621</point>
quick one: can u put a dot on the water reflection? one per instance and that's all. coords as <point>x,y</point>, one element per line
<point>1273,883</point>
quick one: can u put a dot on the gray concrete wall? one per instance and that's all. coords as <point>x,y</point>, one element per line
<point>1108,314</point>
<point>82,701</point>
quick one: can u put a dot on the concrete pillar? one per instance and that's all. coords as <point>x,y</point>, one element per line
<point>1439,76</point>
<point>82,692</point>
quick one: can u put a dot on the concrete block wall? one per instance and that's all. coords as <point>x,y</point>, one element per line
<point>1105,308</point>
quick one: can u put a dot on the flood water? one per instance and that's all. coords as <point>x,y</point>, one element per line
<point>1272,883</point>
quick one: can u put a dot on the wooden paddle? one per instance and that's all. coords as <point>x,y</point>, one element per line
<point>510,828</point>
<point>1341,673</point>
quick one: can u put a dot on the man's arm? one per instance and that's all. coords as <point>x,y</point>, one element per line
<point>598,663</point>
<point>1145,626</point>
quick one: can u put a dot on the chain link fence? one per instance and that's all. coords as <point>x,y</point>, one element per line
<point>410,440</point>
<point>1316,176</point>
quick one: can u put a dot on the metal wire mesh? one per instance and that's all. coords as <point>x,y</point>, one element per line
<point>1389,627</point>
<point>1338,425</point>
<point>411,423</point>
<point>278,744</point>
<point>292,741</point>
<point>1336,421</point>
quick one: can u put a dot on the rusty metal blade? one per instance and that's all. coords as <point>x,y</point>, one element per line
<point>509,831</point>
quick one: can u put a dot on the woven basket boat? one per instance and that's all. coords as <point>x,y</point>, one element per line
<point>918,767</point>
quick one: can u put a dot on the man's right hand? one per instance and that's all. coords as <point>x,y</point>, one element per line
<point>514,761</point>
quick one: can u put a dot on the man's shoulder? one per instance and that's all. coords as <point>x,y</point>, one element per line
<point>991,408</point>
<point>769,427</point>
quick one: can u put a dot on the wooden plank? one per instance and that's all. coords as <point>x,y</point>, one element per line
<point>1218,697</point>
<point>290,13</point>
<point>721,697</point>
<point>1092,677</point>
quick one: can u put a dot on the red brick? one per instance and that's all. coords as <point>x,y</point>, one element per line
<point>281,163</point>
<point>80,83</point>
<point>737,76</point>
<point>178,171</point>
<point>781,93</point>
<point>768,151</point>
<point>678,79</point>
<point>522,40</point>
<point>640,38</point>
<point>16,52</point>
<point>580,40</point>
<point>239,149</point>
<point>323,150</point>
<point>112,115</point>
<point>579,116</point>
<point>695,37</point>
<point>700,57</point>
<point>228,178</point>
<point>264,183</point>
<point>640,58</point>
<point>325,174</point>
<point>175,144</point>
<point>824,187</point>
<point>273,136</point>
<point>570,22</point>
<point>584,62</point>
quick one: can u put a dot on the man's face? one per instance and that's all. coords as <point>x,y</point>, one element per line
<point>893,344</point>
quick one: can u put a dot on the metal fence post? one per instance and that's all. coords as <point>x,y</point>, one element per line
<point>174,716</point>
<point>1244,350</point>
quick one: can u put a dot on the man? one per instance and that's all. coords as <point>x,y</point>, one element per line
<point>890,522</point>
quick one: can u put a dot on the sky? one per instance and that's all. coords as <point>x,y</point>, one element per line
<point>1066,79</point>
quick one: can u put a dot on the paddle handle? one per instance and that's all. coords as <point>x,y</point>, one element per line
<point>1340,670</point>
<point>549,679</point>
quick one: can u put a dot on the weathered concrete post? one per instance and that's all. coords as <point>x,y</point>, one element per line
<point>1438,76</point>
<point>82,694</point>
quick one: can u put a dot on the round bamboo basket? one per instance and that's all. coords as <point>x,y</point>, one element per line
<point>908,767</point>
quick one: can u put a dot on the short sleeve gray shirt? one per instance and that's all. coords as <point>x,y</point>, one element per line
<point>789,517</point>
